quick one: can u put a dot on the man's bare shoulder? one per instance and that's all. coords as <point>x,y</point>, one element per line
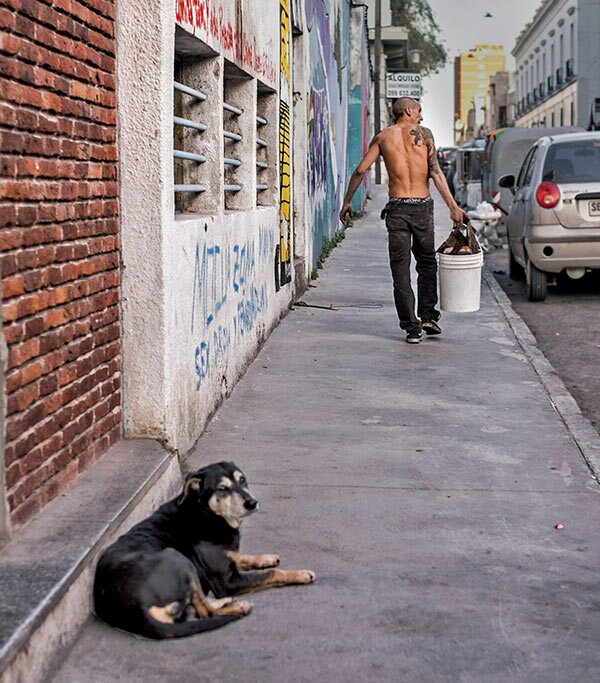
<point>421,136</point>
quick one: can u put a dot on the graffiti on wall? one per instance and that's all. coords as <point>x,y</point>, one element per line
<point>285,166</point>
<point>220,25</point>
<point>339,83</point>
<point>230,295</point>
<point>327,114</point>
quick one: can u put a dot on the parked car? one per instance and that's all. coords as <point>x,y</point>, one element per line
<point>554,221</point>
<point>504,153</point>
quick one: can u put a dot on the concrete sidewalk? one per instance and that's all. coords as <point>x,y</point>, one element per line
<point>421,482</point>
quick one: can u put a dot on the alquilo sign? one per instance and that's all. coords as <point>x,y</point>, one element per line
<point>402,84</point>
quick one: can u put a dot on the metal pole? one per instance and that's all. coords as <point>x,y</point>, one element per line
<point>378,50</point>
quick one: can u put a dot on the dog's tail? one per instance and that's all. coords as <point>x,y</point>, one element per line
<point>157,630</point>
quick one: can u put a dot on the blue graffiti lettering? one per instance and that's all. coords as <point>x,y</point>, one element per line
<point>201,363</point>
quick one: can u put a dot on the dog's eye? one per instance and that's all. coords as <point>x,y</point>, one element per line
<point>243,481</point>
<point>223,488</point>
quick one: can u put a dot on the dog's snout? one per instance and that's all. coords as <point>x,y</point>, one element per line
<point>251,504</point>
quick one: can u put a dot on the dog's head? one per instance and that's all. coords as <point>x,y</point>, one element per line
<point>223,489</point>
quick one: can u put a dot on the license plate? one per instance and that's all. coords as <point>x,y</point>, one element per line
<point>594,208</point>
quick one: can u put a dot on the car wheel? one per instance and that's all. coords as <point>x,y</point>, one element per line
<point>537,283</point>
<point>515,270</point>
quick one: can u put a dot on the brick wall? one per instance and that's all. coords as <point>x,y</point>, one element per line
<point>59,243</point>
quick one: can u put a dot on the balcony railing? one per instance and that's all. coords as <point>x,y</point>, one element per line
<point>550,83</point>
<point>559,76</point>
<point>542,89</point>
<point>570,68</point>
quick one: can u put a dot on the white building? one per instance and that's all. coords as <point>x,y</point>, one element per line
<point>558,58</point>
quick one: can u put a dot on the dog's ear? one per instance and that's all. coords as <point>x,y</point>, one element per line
<point>194,483</point>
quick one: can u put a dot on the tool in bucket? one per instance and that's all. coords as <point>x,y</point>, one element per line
<point>459,243</point>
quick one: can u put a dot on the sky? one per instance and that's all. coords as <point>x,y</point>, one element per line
<point>463,25</point>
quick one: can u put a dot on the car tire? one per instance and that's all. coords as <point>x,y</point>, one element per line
<point>537,283</point>
<point>515,270</point>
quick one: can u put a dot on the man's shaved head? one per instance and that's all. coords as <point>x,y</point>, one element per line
<point>400,105</point>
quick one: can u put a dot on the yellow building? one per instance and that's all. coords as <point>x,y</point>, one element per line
<point>472,71</point>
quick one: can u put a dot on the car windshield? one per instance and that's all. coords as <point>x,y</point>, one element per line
<point>573,162</point>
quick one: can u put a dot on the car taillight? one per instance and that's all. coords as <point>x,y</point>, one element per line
<point>547,195</point>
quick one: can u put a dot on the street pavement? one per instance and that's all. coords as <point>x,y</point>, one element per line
<point>566,326</point>
<point>423,484</point>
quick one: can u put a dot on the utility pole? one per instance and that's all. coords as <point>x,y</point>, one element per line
<point>378,50</point>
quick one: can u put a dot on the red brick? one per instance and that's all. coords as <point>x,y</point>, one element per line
<point>14,333</point>
<point>31,372</point>
<point>23,352</point>
<point>12,474</point>
<point>12,286</point>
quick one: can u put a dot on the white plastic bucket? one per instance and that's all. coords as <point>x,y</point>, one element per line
<point>460,282</point>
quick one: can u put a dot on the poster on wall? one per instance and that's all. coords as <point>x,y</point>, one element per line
<point>285,165</point>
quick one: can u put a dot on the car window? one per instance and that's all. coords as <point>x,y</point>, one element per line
<point>525,168</point>
<point>573,162</point>
<point>529,172</point>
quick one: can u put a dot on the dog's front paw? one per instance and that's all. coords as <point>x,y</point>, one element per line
<point>306,576</point>
<point>242,607</point>
<point>268,561</point>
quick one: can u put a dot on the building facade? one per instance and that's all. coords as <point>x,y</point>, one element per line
<point>500,107</point>
<point>172,170</point>
<point>557,75</point>
<point>59,249</point>
<point>472,72</point>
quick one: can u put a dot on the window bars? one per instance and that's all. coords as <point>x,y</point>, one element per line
<point>194,125</point>
<point>261,150</point>
<point>233,150</point>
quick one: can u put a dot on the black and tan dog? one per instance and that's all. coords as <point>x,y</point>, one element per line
<point>154,579</point>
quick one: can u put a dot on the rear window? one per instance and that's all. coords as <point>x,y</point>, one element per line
<point>573,162</point>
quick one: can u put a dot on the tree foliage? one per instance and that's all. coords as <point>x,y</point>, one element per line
<point>423,32</point>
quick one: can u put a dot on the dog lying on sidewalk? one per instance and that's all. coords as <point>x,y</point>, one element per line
<point>153,581</point>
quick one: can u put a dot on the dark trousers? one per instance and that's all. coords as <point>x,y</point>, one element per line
<point>410,228</point>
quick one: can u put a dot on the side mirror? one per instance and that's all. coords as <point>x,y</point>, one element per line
<point>507,181</point>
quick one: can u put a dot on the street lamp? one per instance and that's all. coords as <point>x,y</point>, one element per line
<point>415,56</point>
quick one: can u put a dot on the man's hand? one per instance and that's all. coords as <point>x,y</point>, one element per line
<point>346,209</point>
<point>457,215</point>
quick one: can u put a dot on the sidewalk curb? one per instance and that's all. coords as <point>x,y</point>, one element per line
<point>579,427</point>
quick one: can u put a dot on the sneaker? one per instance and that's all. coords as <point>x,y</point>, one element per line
<point>431,327</point>
<point>413,337</point>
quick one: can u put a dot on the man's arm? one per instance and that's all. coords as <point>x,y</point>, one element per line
<point>439,180</point>
<point>357,177</point>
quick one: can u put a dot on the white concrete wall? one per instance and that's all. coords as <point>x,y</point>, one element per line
<point>199,288</point>
<point>145,35</point>
<point>221,306</point>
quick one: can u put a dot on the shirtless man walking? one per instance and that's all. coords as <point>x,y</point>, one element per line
<point>410,157</point>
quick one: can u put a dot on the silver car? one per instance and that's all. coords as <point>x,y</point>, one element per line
<point>554,220</point>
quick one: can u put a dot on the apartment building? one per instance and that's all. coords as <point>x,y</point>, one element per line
<point>557,56</point>
<point>472,72</point>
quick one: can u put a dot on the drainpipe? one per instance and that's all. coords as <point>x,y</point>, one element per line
<point>378,50</point>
